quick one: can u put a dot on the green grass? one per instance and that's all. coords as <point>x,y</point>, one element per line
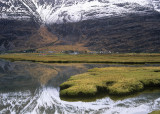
<point>113,80</point>
<point>155,112</point>
<point>85,58</point>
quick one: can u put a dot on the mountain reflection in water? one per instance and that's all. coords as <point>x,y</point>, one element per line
<point>27,87</point>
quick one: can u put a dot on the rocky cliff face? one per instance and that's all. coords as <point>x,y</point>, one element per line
<point>110,25</point>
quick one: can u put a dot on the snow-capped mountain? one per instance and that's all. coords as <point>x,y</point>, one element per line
<point>96,25</point>
<point>62,11</point>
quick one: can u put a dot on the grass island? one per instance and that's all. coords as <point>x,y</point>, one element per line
<point>113,80</point>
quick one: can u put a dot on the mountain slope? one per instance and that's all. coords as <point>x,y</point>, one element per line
<point>132,33</point>
<point>22,35</point>
<point>101,25</point>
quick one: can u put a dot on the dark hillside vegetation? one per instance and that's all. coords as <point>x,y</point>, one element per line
<point>132,33</point>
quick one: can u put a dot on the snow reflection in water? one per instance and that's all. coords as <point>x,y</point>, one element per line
<point>31,94</point>
<point>47,100</point>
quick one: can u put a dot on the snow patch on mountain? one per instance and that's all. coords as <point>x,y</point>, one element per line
<point>18,9</point>
<point>78,10</point>
<point>63,11</point>
<point>156,4</point>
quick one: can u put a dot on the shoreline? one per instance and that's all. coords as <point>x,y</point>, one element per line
<point>85,58</point>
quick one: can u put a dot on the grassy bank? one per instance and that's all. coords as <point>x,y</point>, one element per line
<point>84,58</point>
<point>155,112</point>
<point>113,80</point>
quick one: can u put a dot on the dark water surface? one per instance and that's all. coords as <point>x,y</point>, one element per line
<point>33,88</point>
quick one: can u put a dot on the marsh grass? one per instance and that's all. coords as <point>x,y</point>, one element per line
<point>131,58</point>
<point>155,112</point>
<point>117,81</point>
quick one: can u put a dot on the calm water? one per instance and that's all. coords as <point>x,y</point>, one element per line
<point>33,88</point>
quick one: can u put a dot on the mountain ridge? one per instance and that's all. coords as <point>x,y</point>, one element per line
<point>62,11</point>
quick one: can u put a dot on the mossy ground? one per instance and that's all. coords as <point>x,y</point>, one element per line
<point>155,112</point>
<point>131,58</point>
<point>114,80</point>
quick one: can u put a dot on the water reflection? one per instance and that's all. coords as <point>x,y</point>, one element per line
<point>27,87</point>
<point>47,100</point>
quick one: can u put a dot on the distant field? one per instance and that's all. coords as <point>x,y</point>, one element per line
<point>131,58</point>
